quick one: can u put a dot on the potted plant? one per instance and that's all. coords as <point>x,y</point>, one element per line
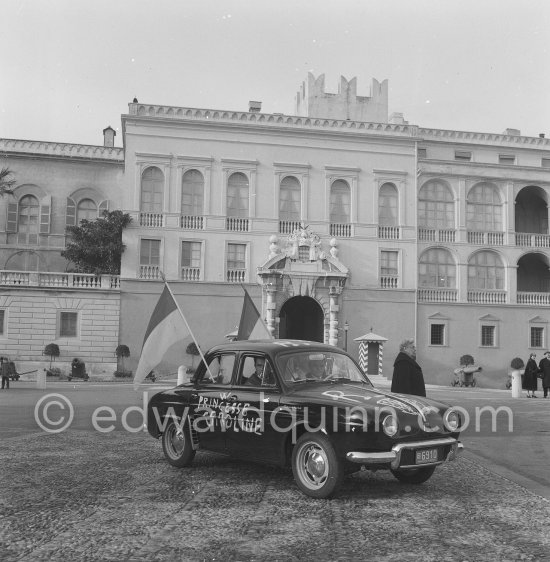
<point>52,351</point>
<point>121,352</point>
<point>517,366</point>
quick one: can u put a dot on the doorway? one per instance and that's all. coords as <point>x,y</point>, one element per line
<point>301,318</point>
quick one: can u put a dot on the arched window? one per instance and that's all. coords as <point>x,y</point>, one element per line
<point>485,272</point>
<point>387,205</point>
<point>436,208</point>
<point>484,209</point>
<point>28,225</point>
<point>86,209</point>
<point>152,190</point>
<point>290,199</point>
<point>237,196</point>
<point>192,196</point>
<point>437,269</point>
<point>340,202</point>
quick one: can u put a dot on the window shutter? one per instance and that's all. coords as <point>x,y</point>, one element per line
<point>12,218</point>
<point>45,207</point>
<point>70,214</point>
<point>103,206</point>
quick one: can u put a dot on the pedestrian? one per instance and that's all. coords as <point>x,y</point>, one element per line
<point>407,374</point>
<point>544,366</point>
<point>530,376</point>
<point>4,373</point>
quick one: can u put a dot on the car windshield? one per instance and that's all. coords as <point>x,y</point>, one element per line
<point>305,366</point>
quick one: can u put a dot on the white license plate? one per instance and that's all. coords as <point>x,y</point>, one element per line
<point>425,456</point>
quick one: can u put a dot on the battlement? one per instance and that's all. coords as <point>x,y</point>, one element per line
<point>313,101</point>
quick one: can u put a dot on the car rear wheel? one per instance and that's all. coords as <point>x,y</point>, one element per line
<point>317,470</point>
<point>176,444</point>
<point>414,475</point>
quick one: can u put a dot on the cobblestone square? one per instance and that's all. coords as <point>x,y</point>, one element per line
<point>81,495</point>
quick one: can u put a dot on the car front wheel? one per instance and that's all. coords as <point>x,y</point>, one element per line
<point>176,444</point>
<point>317,470</point>
<point>414,475</point>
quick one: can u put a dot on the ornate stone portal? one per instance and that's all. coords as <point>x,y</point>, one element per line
<point>298,266</point>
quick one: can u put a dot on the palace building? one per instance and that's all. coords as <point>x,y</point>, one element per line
<point>339,220</point>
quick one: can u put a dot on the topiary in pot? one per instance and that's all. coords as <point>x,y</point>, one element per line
<point>517,363</point>
<point>466,360</point>
<point>52,350</point>
<point>121,352</point>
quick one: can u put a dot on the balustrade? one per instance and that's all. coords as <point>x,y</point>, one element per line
<point>191,222</point>
<point>437,295</point>
<point>534,299</point>
<point>487,297</point>
<point>389,282</point>
<point>61,280</point>
<point>288,227</point>
<point>149,272</point>
<point>485,238</point>
<point>151,220</point>
<point>436,235</point>
<point>532,240</point>
<point>236,275</point>
<point>236,224</point>
<point>343,230</point>
<point>191,273</point>
<point>389,232</point>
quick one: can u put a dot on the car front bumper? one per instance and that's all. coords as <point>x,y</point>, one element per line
<point>393,457</point>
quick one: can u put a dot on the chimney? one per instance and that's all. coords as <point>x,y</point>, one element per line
<point>397,119</point>
<point>512,132</point>
<point>541,135</point>
<point>254,106</point>
<point>109,136</point>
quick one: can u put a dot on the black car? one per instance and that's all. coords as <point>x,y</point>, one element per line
<point>306,405</point>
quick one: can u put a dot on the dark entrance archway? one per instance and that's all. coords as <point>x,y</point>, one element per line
<point>301,318</point>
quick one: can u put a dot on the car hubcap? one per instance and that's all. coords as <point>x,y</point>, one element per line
<point>176,441</point>
<point>313,465</point>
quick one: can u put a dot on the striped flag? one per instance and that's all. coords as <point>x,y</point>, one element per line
<point>167,326</point>
<point>251,326</point>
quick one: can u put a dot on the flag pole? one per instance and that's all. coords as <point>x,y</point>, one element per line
<point>186,323</point>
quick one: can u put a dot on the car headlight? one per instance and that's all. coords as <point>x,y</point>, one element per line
<point>390,425</point>
<point>452,420</point>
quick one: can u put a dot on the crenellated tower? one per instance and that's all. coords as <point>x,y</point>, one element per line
<point>313,101</point>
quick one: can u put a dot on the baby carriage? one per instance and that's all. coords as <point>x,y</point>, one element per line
<point>464,376</point>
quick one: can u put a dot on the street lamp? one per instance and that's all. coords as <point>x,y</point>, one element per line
<point>346,328</point>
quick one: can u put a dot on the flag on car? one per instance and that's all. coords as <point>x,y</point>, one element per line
<point>167,326</point>
<point>251,326</point>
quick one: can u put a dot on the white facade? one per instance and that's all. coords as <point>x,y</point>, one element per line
<point>348,218</point>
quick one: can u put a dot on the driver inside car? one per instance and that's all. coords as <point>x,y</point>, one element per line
<point>316,369</point>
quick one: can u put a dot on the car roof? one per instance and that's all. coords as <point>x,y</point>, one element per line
<point>272,347</point>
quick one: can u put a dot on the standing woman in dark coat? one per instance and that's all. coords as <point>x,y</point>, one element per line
<point>544,366</point>
<point>407,374</point>
<point>530,376</point>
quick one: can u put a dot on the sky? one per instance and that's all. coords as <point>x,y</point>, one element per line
<point>69,68</point>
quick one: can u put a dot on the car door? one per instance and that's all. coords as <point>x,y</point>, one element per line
<point>251,433</point>
<point>209,400</point>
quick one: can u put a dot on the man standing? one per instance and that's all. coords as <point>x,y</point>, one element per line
<point>544,366</point>
<point>4,373</point>
<point>407,374</point>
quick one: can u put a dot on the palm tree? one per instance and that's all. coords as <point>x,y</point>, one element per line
<point>6,181</point>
